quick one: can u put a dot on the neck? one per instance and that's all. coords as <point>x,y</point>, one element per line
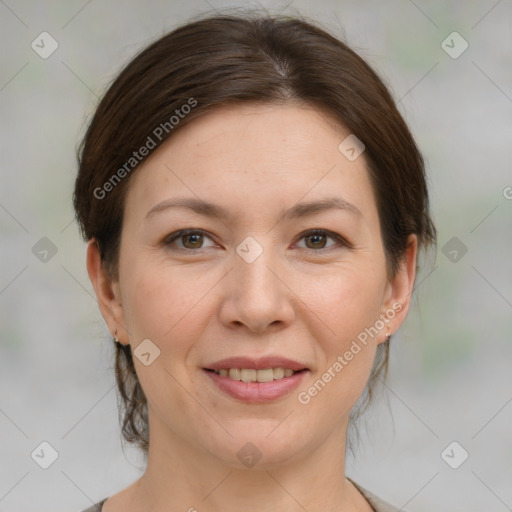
<point>183,477</point>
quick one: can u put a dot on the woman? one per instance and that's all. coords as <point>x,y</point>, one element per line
<point>254,205</point>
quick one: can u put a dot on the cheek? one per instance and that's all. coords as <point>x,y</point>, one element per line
<point>163,303</point>
<point>348,304</point>
<point>347,299</point>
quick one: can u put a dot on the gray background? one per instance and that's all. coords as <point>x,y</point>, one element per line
<point>450,377</point>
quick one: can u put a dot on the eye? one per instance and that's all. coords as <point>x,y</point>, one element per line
<point>316,239</point>
<point>188,240</point>
<point>194,240</point>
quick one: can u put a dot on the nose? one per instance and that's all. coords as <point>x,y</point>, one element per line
<point>257,296</point>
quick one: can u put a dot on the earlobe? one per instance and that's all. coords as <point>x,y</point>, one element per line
<point>401,287</point>
<point>107,292</point>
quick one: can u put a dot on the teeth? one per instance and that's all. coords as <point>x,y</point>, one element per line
<point>278,373</point>
<point>234,373</point>
<point>252,375</point>
<point>263,375</point>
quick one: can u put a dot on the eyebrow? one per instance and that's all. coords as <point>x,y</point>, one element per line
<point>215,211</point>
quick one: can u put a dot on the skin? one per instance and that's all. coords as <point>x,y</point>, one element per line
<point>304,298</point>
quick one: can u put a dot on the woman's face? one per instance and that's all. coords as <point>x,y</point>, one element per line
<point>252,280</point>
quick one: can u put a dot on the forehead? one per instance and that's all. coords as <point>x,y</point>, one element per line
<point>254,155</point>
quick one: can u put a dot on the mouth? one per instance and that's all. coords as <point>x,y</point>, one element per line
<point>256,380</point>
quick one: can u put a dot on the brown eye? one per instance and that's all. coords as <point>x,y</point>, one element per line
<point>315,241</point>
<point>318,239</point>
<point>193,241</point>
<point>188,240</point>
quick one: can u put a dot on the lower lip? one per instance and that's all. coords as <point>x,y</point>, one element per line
<point>256,392</point>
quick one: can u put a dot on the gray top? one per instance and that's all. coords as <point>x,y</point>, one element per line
<point>377,504</point>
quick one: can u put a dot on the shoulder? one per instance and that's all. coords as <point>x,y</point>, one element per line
<point>377,504</point>
<point>96,507</point>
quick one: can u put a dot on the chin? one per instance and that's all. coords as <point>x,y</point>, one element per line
<point>260,447</point>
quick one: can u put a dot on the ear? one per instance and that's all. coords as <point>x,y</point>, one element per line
<point>399,290</point>
<point>107,293</point>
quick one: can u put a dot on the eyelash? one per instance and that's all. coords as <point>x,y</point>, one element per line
<point>167,242</point>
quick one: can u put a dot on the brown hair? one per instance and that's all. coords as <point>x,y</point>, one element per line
<point>227,59</point>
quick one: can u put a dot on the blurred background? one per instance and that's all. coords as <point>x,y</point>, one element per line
<point>439,437</point>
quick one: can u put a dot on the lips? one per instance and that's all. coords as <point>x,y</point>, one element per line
<point>256,380</point>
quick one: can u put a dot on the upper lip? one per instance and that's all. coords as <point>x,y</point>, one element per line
<point>257,363</point>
